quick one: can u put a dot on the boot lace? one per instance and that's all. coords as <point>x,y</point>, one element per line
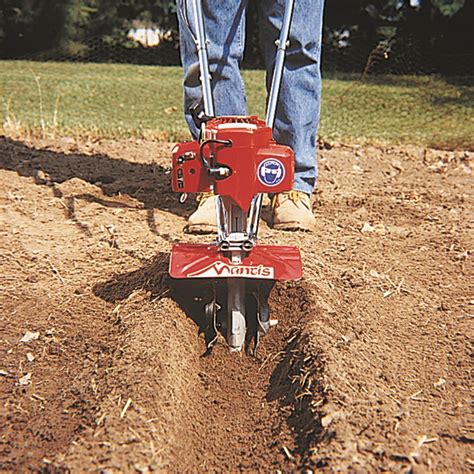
<point>203,197</point>
<point>293,195</point>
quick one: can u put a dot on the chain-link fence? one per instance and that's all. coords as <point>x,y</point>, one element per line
<point>387,91</point>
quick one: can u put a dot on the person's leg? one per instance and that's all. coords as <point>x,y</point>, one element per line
<point>224,23</point>
<point>297,116</point>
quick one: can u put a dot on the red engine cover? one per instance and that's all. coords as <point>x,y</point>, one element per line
<point>189,175</point>
<point>257,162</point>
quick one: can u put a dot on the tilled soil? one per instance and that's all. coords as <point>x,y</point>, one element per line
<point>367,370</point>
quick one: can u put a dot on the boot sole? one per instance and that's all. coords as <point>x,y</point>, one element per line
<point>200,229</point>
<point>293,227</point>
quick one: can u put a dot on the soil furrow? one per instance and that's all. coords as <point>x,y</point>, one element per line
<point>219,412</point>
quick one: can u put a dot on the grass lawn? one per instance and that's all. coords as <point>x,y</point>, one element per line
<point>118,101</point>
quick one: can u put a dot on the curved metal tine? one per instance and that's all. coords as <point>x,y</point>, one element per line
<point>215,307</point>
<point>282,44</point>
<point>213,341</point>
<point>251,350</point>
<point>256,344</point>
<point>201,46</point>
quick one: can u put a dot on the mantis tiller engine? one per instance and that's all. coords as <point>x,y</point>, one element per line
<point>237,159</point>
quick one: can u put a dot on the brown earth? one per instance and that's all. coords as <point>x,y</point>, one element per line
<point>367,370</point>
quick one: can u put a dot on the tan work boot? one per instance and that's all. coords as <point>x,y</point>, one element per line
<point>203,220</point>
<point>292,211</point>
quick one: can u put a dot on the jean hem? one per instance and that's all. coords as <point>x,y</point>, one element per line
<point>303,188</point>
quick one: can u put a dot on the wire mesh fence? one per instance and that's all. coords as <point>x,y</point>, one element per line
<point>382,93</point>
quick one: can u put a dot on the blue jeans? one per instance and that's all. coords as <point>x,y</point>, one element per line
<point>297,116</point>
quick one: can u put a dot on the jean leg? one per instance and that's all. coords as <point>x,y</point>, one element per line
<point>298,110</point>
<point>224,23</point>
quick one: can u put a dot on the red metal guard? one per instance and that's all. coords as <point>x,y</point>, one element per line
<point>268,262</point>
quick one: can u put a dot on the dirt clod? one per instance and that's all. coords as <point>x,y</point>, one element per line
<point>30,336</point>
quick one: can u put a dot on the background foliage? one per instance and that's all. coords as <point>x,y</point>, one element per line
<point>379,57</point>
<point>431,35</point>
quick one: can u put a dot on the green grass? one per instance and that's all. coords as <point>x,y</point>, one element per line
<point>119,101</point>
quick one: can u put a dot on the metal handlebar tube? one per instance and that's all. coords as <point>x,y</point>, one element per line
<point>282,44</point>
<point>254,217</point>
<point>222,220</point>
<point>201,47</point>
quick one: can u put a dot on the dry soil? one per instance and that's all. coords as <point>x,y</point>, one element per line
<point>367,370</point>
